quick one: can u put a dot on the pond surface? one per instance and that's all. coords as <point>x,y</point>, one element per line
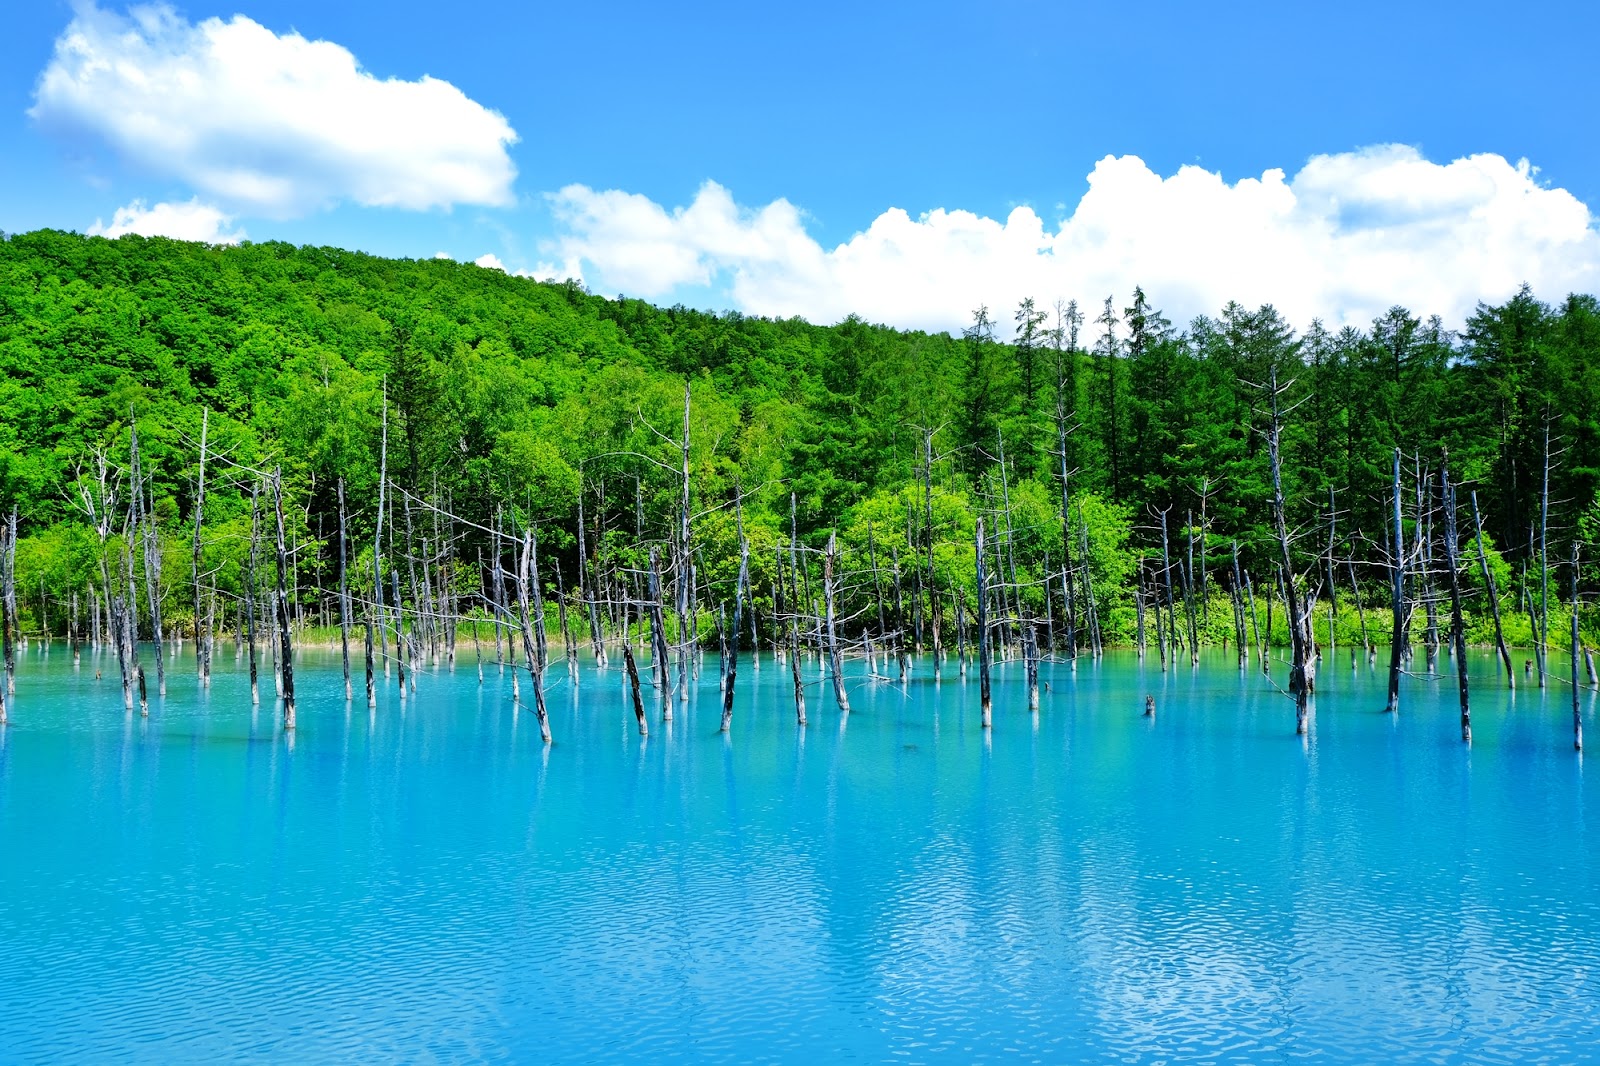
<point>429,881</point>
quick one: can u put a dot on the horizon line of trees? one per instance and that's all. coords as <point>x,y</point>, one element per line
<point>1123,459</point>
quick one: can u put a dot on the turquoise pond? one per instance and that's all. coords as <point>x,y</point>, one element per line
<point>427,881</point>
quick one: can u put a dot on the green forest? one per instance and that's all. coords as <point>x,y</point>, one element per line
<point>1116,458</point>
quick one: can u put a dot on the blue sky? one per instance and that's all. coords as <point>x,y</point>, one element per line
<point>816,120</point>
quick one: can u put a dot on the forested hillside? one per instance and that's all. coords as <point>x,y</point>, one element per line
<point>504,403</point>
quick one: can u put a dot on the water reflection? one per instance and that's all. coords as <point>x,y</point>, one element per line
<point>430,880</point>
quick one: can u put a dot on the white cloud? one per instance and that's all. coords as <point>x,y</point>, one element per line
<point>490,261</point>
<point>191,221</point>
<point>268,123</point>
<point>1344,239</point>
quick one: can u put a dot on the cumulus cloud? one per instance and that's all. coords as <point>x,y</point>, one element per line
<point>1344,239</point>
<point>268,123</point>
<point>191,221</point>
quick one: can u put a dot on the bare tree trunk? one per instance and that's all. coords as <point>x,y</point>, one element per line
<point>738,622</point>
<point>1093,612</point>
<point>344,597</point>
<point>686,569</point>
<point>8,600</point>
<point>899,615</point>
<point>1238,608</point>
<point>287,656</point>
<point>1577,712</point>
<point>1298,687</point>
<point>983,630</point>
<point>1544,559</point>
<point>535,672</point>
<point>568,648</point>
<point>792,627</point>
<point>633,687</point>
<point>1458,629</point>
<point>586,589</point>
<point>201,649</point>
<point>1397,596</point>
<point>402,639</point>
<point>377,532</point>
<point>1494,596</point>
<point>835,661</point>
<point>1138,607</point>
<point>1261,639</point>
<point>1188,597</point>
<point>250,590</point>
<point>961,628</point>
<point>1333,584</point>
<point>1361,611</point>
<point>152,588</point>
<point>372,695</point>
<point>927,533</point>
<point>658,637</point>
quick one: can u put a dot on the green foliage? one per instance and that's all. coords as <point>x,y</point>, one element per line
<point>504,396</point>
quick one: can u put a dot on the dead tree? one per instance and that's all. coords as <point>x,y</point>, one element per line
<point>792,626</point>
<point>1237,595</point>
<point>586,590</point>
<point>1452,560</point>
<point>250,590</point>
<point>377,532</point>
<point>686,565</point>
<point>1093,613</point>
<point>1544,560</point>
<point>983,628</point>
<point>738,622</point>
<point>8,604</point>
<point>202,648</point>
<point>1299,652</point>
<point>344,597</point>
<point>835,660</point>
<point>633,688</point>
<point>1493,594</point>
<point>152,587</point>
<point>1361,611</point>
<point>284,637</point>
<point>535,669</point>
<point>658,638</point>
<point>901,656</point>
<point>1577,712</point>
<point>1397,594</point>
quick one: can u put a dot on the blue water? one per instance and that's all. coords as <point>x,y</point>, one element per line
<point>429,881</point>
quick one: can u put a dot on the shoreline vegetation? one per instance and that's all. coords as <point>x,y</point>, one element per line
<point>283,446</point>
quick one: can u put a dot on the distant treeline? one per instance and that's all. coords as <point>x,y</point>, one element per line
<point>511,404</point>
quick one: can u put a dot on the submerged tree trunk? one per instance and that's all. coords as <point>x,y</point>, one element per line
<point>791,625</point>
<point>344,596</point>
<point>633,688</point>
<point>983,630</point>
<point>1541,645</point>
<point>377,531</point>
<point>738,622</point>
<point>1397,596</point>
<point>835,660</point>
<point>1494,596</point>
<point>535,672</point>
<point>286,641</point>
<point>152,588</point>
<point>1299,652</point>
<point>202,651</point>
<point>1458,629</point>
<point>661,666</point>
<point>250,591</point>
<point>1577,712</point>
